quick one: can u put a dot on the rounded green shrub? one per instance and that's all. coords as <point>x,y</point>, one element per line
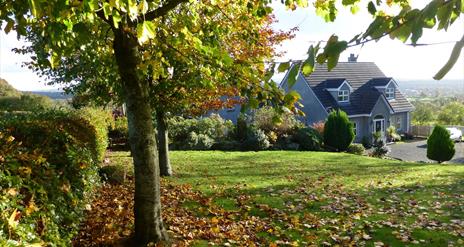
<point>338,131</point>
<point>356,149</point>
<point>439,145</point>
<point>308,139</point>
<point>256,140</point>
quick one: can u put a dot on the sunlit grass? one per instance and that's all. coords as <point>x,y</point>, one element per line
<point>391,192</point>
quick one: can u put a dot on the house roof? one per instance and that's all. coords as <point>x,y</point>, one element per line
<point>363,77</point>
<point>334,83</point>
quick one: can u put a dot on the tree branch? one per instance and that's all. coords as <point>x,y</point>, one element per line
<point>162,10</point>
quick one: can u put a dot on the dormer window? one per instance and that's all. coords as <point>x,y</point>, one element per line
<point>343,95</point>
<point>390,93</point>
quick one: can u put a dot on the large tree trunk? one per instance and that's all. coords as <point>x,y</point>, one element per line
<point>163,143</point>
<point>149,225</point>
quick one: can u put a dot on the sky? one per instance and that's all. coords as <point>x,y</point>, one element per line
<point>394,58</point>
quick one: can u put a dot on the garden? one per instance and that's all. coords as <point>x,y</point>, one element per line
<point>61,185</point>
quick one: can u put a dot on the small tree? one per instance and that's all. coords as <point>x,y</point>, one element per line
<point>439,145</point>
<point>338,131</point>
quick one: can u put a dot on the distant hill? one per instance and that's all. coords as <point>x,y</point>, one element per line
<point>431,84</point>
<point>7,90</point>
<point>420,88</point>
<point>56,95</point>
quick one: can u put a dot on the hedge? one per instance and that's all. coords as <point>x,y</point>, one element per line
<point>48,173</point>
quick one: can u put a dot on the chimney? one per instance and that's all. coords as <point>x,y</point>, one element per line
<point>352,58</point>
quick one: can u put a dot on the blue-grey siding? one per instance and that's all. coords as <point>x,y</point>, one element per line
<point>313,109</point>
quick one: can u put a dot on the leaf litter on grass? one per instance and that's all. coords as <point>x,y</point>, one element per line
<point>314,213</point>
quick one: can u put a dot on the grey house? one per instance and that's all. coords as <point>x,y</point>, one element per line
<point>372,101</point>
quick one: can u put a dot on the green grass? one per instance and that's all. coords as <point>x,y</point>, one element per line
<point>349,196</point>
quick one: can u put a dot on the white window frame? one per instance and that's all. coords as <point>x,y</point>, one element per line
<point>398,123</point>
<point>390,92</point>
<point>343,96</point>
<point>355,128</point>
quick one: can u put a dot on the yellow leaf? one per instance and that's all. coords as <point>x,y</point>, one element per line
<point>13,221</point>
<point>214,220</point>
<point>215,229</point>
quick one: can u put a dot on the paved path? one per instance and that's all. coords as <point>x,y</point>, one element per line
<point>417,151</point>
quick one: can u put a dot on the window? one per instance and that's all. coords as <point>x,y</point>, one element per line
<point>398,123</point>
<point>390,93</point>
<point>343,96</point>
<point>355,129</point>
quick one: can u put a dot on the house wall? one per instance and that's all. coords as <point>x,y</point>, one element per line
<point>362,127</point>
<point>403,118</point>
<point>231,114</point>
<point>313,109</point>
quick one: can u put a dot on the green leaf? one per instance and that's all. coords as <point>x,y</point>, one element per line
<point>93,4</point>
<point>371,8</point>
<point>291,79</point>
<point>54,60</point>
<point>116,18</point>
<point>33,7</point>
<point>354,9</point>
<point>106,9</point>
<point>133,9</point>
<point>270,72</point>
<point>145,31</point>
<point>291,98</point>
<point>283,67</point>
<point>308,65</point>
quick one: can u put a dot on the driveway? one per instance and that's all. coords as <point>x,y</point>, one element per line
<point>417,151</point>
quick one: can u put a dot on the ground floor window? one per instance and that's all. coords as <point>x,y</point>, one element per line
<point>355,129</point>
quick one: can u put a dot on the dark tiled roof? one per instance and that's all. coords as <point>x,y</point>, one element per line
<point>333,83</point>
<point>363,78</point>
<point>380,82</point>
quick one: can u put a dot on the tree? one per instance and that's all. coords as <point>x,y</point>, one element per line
<point>129,37</point>
<point>338,131</point>
<point>440,147</point>
<point>452,114</point>
<point>124,30</point>
<point>423,114</point>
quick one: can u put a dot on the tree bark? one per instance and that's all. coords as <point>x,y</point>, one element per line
<point>149,225</point>
<point>163,143</point>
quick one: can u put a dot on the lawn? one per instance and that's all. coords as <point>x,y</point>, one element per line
<point>310,198</point>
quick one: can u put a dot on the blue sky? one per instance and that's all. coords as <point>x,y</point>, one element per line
<point>393,57</point>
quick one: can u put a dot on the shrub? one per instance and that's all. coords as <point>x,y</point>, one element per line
<point>120,129</point>
<point>380,149</point>
<point>286,142</point>
<point>256,140</point>
<point>356,149</point>
<point>268,120</point>
<point>214,127</point>
<point>49,173</point>
<point>366,142</point>
<point>439,145</point>
<point>242,128</point>
<point>308,139</point>
<point>408,136</point>
<point>338,131</point>
<point>392,134</point>
<point>198,142</point>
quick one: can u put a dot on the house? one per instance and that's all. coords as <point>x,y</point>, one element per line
<point>372,100</point>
